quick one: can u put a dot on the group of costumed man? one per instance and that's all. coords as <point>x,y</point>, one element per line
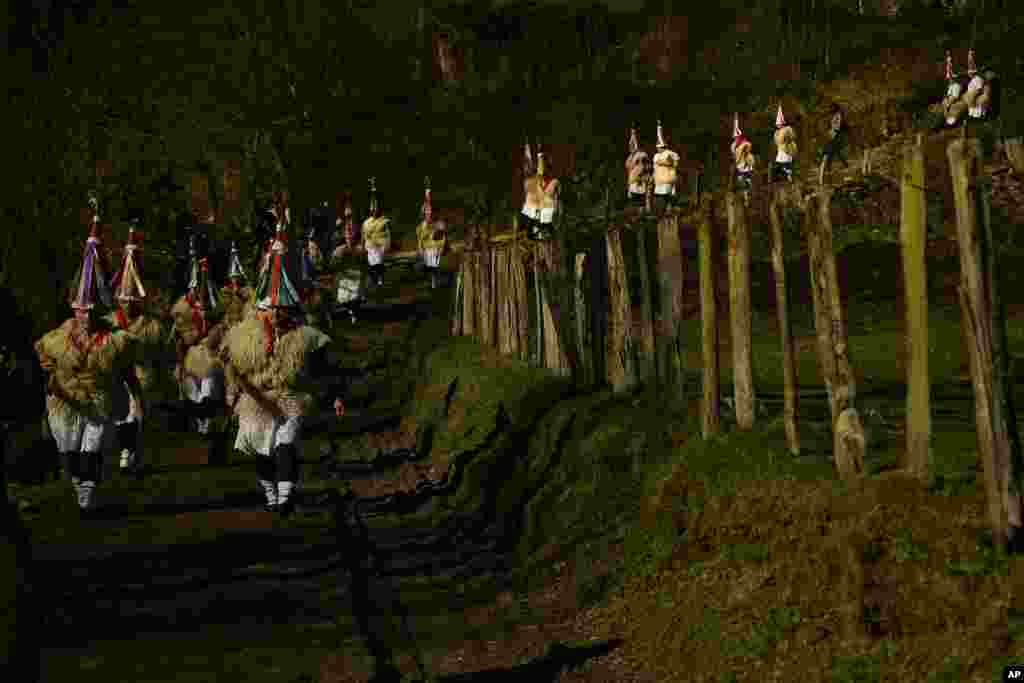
<point>240,351</point>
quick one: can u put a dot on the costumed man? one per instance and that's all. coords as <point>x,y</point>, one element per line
<point>236,295</point>
<point>666,163</point>
<point>432,235</point>
<point>199,334</point>
<point>835,146</point>
<point>743,158</point>
<point>87,361</point>
<point>953,105</point>
<point>351,275</point>
<point>978,92</point>
<point>275,364</point>
<point>376,237</point>
<point>130,294</point>
<point>542,199</point>
<point>638,172</point>
<point>785,145</point>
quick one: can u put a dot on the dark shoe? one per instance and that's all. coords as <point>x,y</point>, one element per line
<point>270,507</point>
<point>1015,542</point>
<point>286,508</point>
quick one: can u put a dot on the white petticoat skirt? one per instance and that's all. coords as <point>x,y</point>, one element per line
<point>432,257</point>
<point>74,432</point>
<point>257,435</point>
<point>374,256</point>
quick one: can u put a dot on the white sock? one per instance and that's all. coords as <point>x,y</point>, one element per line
<point>270,490</point>
<point>86,496</point>
<point>284,489</point>
<point>126,457</point>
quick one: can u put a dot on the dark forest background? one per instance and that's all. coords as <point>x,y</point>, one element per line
<point>315,96</point>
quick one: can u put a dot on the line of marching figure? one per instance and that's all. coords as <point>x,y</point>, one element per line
<point>237,350</point>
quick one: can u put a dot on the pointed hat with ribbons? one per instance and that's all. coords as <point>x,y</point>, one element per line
<point>91,285</point>
<point>277,287</point>
<point>235,270</point>
<point>127,281</point>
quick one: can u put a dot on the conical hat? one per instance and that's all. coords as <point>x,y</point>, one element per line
<point>200,288</point>
<point>374,205</point>
<point>528,160</point>
<point>972,68</point>
<point>661,137</point>
<point>277,286</point>
<point>634,144</point>
<point>235,270</point>
<point>738,138</point>
<point>540,163</point>
<point>127,281</point>
<point>949,66</point>
<point>780,120</point>
<point>91,284</point>
<point>428,204</point>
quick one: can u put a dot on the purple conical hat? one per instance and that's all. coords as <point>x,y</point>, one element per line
<point>92,285</point>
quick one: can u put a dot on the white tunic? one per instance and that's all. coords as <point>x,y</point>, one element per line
<point>374,256</point>
<point>545,215</point>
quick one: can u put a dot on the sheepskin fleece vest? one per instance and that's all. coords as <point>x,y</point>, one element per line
<point>541,193</point>
<point>432,235</point>
<point>237,302</point>
<point>150,335</point>
<point>280,377</point>
<point>785,140</point>
<point>377,233</point>
<point>665,163</point>
<point>84,380</point>
<point>636,171</point>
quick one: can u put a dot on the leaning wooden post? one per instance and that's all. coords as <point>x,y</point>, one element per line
<point>501,300</point>
<point>709,322</point>
<point>538,307</point>
<point>974,306</point>
<point>671,286</point>
<point>646,364</point>
<point>1011,458</point>
<point>819,300</point>
<point>789,378</point>
<point>848,434</point>
<point>912,240</point>
<point>739,310</point>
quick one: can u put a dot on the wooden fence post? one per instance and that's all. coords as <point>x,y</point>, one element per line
<point>993,438</point>
<point>848,433</point>
<point>709,322</point>
<point>912,240</point>
<point>739,310</point>
<point>520,300</point>
<point>555,351</point>
<point>621,347</point>
<point>457,303</point>
<point>469,287</point>
<point>1015,153</point>
<point>646,365</point>
<point>671,286</point>
<point>597,302</point>
<point>789,377</point>
<point>586,368</point>
<point>485,299</point>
